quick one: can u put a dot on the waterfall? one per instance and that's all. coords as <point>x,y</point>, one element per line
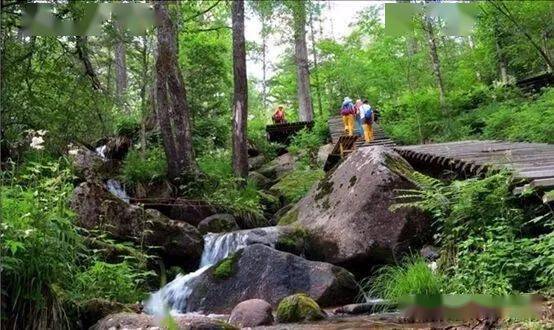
<point>216,247</point>
<point>102,151</point>
<point>116,188</point>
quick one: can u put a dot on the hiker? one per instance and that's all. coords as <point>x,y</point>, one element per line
<point>359,117</point>
<point>347,113</point>
<point>279,115</point>
<point>369,119</point>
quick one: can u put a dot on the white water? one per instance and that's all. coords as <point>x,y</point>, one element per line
<point>174,295</point>
<point>102,151</point>
<point>116,188</point>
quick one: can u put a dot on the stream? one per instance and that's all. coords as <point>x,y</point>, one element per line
<point>173,296</point>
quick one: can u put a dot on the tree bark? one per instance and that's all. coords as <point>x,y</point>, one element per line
<point>428,27</point>
<point>240,97</point>
<point>171,101</point>
<point>82,52</point>
<point>301,57</point>
<point>316,74</point>
<point>501,59</point>
<point>120,66</point>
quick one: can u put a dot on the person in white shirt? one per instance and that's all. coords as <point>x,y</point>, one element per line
<point>368,118</point>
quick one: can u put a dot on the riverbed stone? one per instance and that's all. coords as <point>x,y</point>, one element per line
<point>278,167</point>
<point>348,213</point>
<point>261,272</point>
<point>87,164</point>
<point>260,180</point>
<point>256,162</point>
<point>251,313</point>
<point>150,322</point>
<point>297,308</point>
<point>218,223</point>
<point>96,208</point>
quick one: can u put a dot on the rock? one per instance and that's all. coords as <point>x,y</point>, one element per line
<point>324,152</point>
<point>256,162</point>
<point>218,223</point>
<point>429,253</point>
<point>372,306</point>
<point>270,202</point>
<point>95,309</point>
<point>117,147</point>
<point>158,190</point>
<point>348,215</point>
<point>297,308</point>
<point>143,321</point>
<point>251,313</point>
<point>88,164</point>
<point>252,149</point>
<point>191,212</point>
<point>258,271</point>
<point>259,180</point>
<point>279,166</point>
<point>252,220</point>
<point>282,211</point>
<point>181,244</point>
<point>292,240</point>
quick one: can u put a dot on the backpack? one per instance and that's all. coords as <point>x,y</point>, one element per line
<point>367,116</point>
<point>347,109</point>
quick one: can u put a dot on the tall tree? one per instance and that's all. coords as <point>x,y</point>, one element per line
<point>316,74</point>
<point>435,61</point>
<point>301,58</point>
<point>240,97</point>
<point>171,100</point>
<point>120,65</point>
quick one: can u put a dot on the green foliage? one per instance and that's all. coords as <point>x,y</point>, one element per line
<point>487,240</point>
<point>219,186</point>
<point>126,125</point>
<point>137,168</point>
<point>297,308</point>
<point>40,245</point>
<point>120,282</point>
<point>296,184</point>
<point>306,143</point>
<point>411,277</point>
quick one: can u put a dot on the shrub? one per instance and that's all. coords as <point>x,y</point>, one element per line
<point>126,125</point>
<point>120,282</point>
<point>138,169</point>
<point>295,184</point>
<point>413,277</point>
<point>487,241</point>
<point>40,246</point>
<point>306,144</point>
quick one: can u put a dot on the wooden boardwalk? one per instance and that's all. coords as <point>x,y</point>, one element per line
<point>533,163</point>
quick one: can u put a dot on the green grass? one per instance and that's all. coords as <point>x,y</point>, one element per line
<point>150,168</point>
<point>413,277</point>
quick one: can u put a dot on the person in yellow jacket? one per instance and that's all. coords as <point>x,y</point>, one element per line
<point>347,112</point>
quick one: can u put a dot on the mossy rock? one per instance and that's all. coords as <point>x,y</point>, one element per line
<point>297,308</point>
<point>226,267</point>
<point>288,218</point>
<point>294,241</point>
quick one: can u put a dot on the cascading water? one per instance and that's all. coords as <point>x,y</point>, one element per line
<point>116,188</point>
<point>174,295</point>
<point>101,150</point>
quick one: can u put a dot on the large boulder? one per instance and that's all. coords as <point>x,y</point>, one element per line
<point>181,244</point>
<point>155,322</point>
<point>256,162</point>
<point>251,313</point>
<point>261,272</point>
<point>117,147</point>
<point>218,223</point>
<point>348,212</point>
<point>260,180</point>
<point>87,164</point>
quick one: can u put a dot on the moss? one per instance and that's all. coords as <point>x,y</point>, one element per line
<point>289,217</point>
<point>324,188</point>
<point>353,181</point>
<point>226,267</point>
<point>326,205</point>
<point>294,241</point>
<point>398,166</point>
<point>298,307</point>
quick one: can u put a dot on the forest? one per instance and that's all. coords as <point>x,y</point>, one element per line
<point>140,189</point>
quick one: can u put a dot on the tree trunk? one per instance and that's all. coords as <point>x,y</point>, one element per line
<point>265,30</point>
<point>240,97</point>
<point>144,103</point>
<point>82,52</point>
<point>120,66</point>
<point>428,27</point>
<point>301,57</point>
<point>316,74</point>
<point>502,65</point>
<point>171,101</point>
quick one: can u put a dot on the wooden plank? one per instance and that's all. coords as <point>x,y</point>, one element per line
<point>542,183</point>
